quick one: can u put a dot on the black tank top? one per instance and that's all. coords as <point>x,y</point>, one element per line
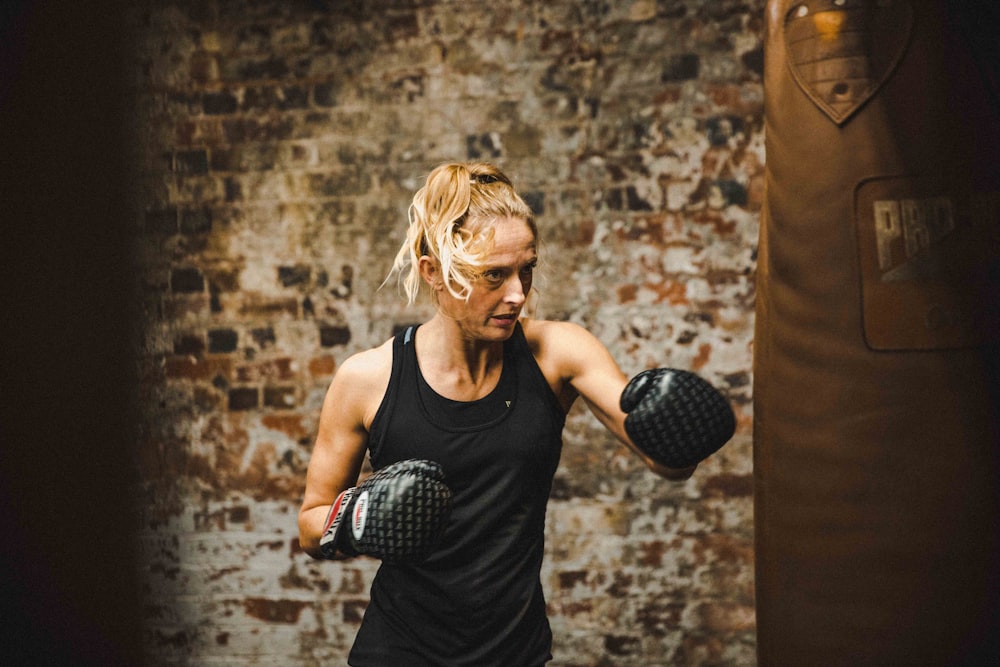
<point>478,600</point>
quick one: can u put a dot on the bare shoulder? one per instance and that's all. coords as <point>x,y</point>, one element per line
<point>555,337</point>
<point>361,381</point>
<point>562,347</point>
<point>369,365</point>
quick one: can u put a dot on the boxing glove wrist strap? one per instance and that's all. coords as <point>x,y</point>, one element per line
<point>329,543</point>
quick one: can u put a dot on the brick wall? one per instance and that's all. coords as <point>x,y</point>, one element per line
<point>277,148</point>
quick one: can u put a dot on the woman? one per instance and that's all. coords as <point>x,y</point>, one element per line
<point>484,394</point>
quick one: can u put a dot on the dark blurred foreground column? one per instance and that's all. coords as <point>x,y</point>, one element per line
<point>878,317</point>
<point>67,557</point>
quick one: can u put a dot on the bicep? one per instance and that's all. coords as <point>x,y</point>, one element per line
<point>595,376</point>
<point>338,453</point>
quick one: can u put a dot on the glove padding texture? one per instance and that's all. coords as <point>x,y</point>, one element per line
<point>398,514</point>
<point>675,417</point>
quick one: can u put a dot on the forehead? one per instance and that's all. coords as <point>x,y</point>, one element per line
<point>511,237</point>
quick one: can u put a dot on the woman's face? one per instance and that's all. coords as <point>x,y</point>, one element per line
<point>500,291</point>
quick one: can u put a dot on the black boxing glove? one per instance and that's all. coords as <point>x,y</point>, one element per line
<point>675,417</point>
<point>398,514</point>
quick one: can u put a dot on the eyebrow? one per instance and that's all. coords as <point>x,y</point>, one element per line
<point>493,267</point>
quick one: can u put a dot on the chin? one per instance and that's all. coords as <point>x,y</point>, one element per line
<point>497,332</point>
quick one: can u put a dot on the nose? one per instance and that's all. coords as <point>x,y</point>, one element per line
<point>514,291</point>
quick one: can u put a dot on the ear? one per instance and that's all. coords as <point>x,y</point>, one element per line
<point>430,272</point>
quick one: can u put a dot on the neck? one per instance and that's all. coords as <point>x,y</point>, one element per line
<point>454,365</point>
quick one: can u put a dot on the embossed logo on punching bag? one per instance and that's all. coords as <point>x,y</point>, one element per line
<point>929,254</point>
<point>840,52</point>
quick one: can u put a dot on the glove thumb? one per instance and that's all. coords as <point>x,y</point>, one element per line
<point>638,387</point>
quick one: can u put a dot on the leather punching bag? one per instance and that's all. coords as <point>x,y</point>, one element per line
<point>877,436</point>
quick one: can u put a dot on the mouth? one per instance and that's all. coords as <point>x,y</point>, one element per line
<point>506,319</point>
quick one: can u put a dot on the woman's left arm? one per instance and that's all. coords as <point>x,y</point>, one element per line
<point>582,361</point>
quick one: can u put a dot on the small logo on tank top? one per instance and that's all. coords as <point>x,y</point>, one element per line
<point>508,403</point>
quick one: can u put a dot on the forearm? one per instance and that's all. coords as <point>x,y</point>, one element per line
<point>311,522</point>
<point>398,513</point>
<point>614,421</point>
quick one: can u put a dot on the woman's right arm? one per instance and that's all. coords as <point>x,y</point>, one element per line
<point>342,438</point>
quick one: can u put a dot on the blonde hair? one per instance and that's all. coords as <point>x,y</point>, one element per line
<point>450,220</point>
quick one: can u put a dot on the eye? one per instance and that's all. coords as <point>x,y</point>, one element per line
<point>493,275</point>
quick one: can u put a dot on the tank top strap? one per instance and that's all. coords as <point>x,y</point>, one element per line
<point>530,370</point>
<point>400,343</point>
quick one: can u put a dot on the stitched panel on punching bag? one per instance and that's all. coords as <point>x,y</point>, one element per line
<point>840,52</point>
<point>929,255</point>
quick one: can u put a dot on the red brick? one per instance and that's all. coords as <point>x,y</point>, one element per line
<point>269,369</point>
<point>274,611</point>
<point>289,424</point>
<point>729,485</point>
<point>282,398</point>
<point>727,618</point>
<point>244,398</point>
<point>704,354</point>
<point>324,366</point>
<point>251,306</point>
<point>189,367</point>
